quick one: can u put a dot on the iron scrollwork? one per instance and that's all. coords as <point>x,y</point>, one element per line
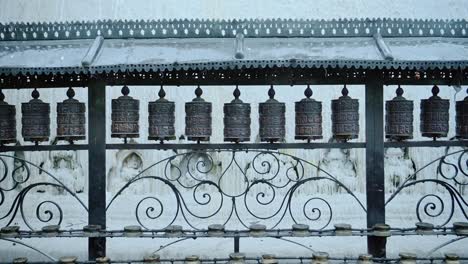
<point>267,184</point>
<point>45,211</point>
<point>432,206</point>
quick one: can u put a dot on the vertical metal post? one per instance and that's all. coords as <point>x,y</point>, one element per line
<point>236,244</point>
<point>375,189</point>
<point>97,165</point>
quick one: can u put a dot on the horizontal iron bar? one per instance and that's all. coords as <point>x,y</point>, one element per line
<point>43,147</point>
<point>241,146</point>
<point>274,233</point>
<point>299,259</point>
<point>429,143</point>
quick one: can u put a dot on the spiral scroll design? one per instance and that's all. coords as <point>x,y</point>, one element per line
<point>313,212</point>
<point>434,207</point>
<point>270,183</point>
<point>454,166</point>
<point>46,211</point>
<point>430,208</point>
<point>150,211</point>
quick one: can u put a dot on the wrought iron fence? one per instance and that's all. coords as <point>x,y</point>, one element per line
<point>194,182</point>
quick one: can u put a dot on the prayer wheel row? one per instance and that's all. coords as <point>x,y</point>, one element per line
<point>71,120</point>
<point>35,121</point>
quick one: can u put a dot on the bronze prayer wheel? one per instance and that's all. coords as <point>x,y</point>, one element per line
<point>272,119</point>
<point>399,117</point>
<point>345,116</point>
<point>161,118</point>
<point>7,121</point>
<point>434,115</point>
<point>125,116</point>
<point>198,118</point>
<point>35,119</point>
<point>462,118</point>
<point>308,117</point>
<point>236,119</point>
<point>71,119</point>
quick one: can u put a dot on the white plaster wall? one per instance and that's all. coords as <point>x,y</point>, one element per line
<point>55,10</point>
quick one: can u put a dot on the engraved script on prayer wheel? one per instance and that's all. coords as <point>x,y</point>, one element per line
<point>272,119</point>
<point>36,119</point>
<point>198,118</point>
<point>7,121</point>
<point>345,116</point>
<point>125,116</point>
<point>161,118</point>
<point>435,115</point>
<point>71,119</point>
<point>462,118</point>
<point>399,117</point>
<point>308,117</point>
<point>236,119</point>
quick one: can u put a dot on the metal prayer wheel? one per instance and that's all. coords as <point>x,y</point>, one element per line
<point>193,259</point>
<point>35,119</point>
<point>236,119</point>
<point>434,115</point>
<point>320,258</point>
<point>71,119</point>
<point>125,116</point>
<point>272,118</point>
<point>462,118</point>
<point>161,118</point>
<point>308,117</point>
<point>345,116</point>
<point>399,117</point>
<point>198,118</point>
<point>7,121</point>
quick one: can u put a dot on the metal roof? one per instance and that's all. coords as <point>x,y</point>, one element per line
<point>99,47</point>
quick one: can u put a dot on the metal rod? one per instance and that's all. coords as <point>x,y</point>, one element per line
<point>244,146</point>
<point>236,234</point>
<point>43,148</point>
<point>375,181</point>
<point>31,247</point>
<point>236,244</point>
<point>430,252</point>
<point>97,165</point>
<point>383,47</point>
<point>429,144</point>
<point>253,259</point>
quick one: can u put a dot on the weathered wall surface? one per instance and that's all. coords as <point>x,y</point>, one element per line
<point>117,162</point>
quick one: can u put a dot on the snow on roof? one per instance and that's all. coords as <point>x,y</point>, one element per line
<point>110,46</point>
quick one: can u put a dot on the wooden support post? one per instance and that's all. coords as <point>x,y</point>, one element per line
<point>375,182</point>
<point>97,165</point>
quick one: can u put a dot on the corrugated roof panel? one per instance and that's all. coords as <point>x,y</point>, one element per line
<point>428,49</point>
<point>311,49</point>
<point>164,51</point>
<point>65,56</point>
<point>42,54</point>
